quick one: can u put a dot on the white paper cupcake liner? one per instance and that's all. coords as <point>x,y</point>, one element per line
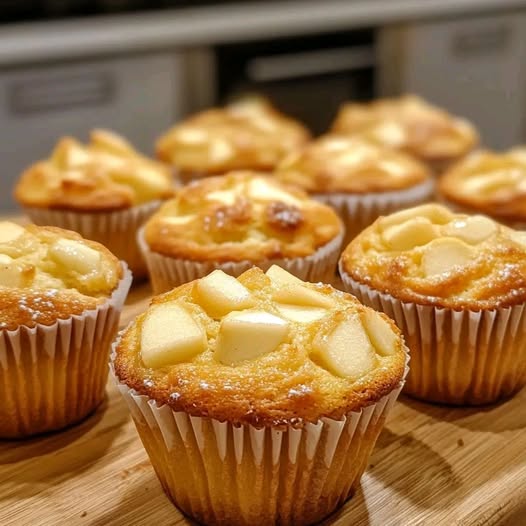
<point>358,211</point>
<point>167,273</point>
<point>115,230</point>
<point>219,473</point>
<point>53,376</point>
<point>457,357</point>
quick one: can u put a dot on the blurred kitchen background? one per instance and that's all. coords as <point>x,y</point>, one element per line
<point>138,66</point>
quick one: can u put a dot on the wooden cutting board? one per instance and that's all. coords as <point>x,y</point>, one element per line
<point>432,466</point>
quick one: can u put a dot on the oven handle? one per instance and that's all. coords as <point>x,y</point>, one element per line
<point>309,63</point>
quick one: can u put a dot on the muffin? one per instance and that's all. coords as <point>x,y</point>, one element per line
<point>456,286</point>
<point>247,135</point>
<point>236,221</point>
<point>61,297</point>
<point>410,124</point>
<point>490,183</point>
<point>361,180</point>
<point>104,190</point>
<point>259,399</point>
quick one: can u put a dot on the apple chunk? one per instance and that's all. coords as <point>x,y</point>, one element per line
<point>346,351</point>
<point>74,255</point>
<point>218,293</point>
<point>10,231</point>
<point>300,313</point>
<point>444,254</point>
<point>248,334</point>
<point>10,273</point>
<point>473,230</point>
<point>380,333</point>
<point>294,291</point>
<point>170,335</point>
<point>413,233</point>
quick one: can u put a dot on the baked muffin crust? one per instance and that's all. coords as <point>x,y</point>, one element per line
<point>431,256</point>
<point>408,123</point>
<point>242,216</point>
<point>338,163</point>
<point>250,134</point>
<point>104,175</point>
<point>289,383</point>
<point>489,182</point>
<point>47,274</point>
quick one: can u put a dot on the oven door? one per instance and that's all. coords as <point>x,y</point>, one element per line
<point>307,78</point>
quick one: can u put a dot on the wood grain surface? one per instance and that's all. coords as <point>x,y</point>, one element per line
<point>432,466</point>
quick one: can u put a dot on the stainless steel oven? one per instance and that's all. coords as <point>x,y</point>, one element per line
<point>307,77</point>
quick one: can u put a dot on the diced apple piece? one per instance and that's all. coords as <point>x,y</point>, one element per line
<point>111,142</point>
<point>218,293</point>
<point>220,150</point>
<point>412,233</point>
<point>75,255</point>
<point>178,220</point>
<point>227,197</point>
<point>380,333</point>
<point>346,351</point>
<point>444,254</point>
<point>435,213</point>
<point>300,313</point>
<point>170,335</point>
<point>68,153</point>
<point>473,229</point>
<point>10,231</point>
<point>248,334</point>
<point>10,273</point>
<point>490,182</point>
<point>261,189</point>
<point>294,291</point>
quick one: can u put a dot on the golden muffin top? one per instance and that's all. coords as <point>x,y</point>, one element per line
<point>47,274</point>
<point>247,135</point>
<point>338,163</point>
<point>263,349</point>
<point>241,216</point>
<point>408,123</point>
<point>105,174</point>
<point>489,182</point>
<point>431,256</point>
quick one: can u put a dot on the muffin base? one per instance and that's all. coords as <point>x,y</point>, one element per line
<point>54,376</point>
<point>358,211</point>
<point>115,230</point>
<point>457,357</point>
<point>167,273</point>
<point>220,474</point>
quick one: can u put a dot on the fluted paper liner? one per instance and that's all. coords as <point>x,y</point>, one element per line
<point>53,376</point>
<point>358,211</point>
<point>460,357</point>
<point>167,273</point>
<point>219,473</point>
<point>116,230</point>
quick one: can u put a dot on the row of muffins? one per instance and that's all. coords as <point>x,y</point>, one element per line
<point>424,245</point>
<point>229,378</point>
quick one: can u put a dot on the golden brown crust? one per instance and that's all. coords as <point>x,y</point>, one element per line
<point>248,135</point>
<point>241,216</point>
<point>37,288</point>
<point>104,175</point>
<point>284,387</point>
<point>493,275</point>
<point>336,163</point>
<point>410,124</point>
<point>489,182</point>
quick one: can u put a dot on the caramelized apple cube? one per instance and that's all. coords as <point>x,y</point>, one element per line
<point>218,293</point>
<point>380,333</point>
<point>10,231</point>
<point>472,230</point>
<point>247,335</point>
<point>413,233</point>
<point>444,254</point>
<point>300,313</point>
<point>346,351</point>
<point>170,335</point>
<point>74,255</point>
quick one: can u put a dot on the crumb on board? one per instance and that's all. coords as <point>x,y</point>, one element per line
<point>460,442</point>
<point>84,513</point>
